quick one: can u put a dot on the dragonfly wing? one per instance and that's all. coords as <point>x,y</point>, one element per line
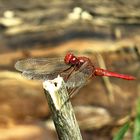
<point>41,68</point>
<point>80,77</point>
<point>76,80</point>
<point>40,76</point>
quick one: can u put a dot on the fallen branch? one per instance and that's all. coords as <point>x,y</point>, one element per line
<point>62,112</point>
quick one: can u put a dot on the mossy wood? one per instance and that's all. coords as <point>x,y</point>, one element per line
<point>62,112</point>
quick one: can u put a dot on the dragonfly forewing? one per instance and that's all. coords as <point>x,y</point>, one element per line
<point>50,68</point>
<point>41,68</point>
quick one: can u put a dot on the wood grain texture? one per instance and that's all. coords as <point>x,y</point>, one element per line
<point>62,112</point>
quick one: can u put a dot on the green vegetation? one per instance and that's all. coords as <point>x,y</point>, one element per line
<point>136,134</point>
<point>122,132</point>
<point>136,127</point>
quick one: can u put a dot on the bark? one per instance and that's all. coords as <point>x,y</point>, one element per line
<point>62,111</point>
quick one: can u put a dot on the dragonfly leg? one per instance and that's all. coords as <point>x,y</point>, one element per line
<point>72,93</point>
<point>66,69</point>
<point>70,72</point>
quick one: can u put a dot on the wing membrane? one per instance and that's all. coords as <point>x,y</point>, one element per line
<point>80,77</point>
<point>41,68</point>
<point>49,68</point>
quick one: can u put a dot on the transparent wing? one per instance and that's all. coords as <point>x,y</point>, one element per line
<point>79,78</point>
<point>49,68</point>
<point>41,68</point>
<point>76,79</point>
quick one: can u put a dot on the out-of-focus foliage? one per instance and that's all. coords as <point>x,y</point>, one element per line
<point>136,131</point>
<point>122,132</point>
<point>136,135</point>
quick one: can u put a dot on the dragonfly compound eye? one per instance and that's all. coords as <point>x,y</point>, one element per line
<point>68,58</point>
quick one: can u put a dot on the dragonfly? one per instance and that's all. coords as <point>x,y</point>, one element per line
<point>75,70</point>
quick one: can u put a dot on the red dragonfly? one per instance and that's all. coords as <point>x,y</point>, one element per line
<point>76,71</point>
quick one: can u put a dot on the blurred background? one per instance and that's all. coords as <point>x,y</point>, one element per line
<point>107,31</point>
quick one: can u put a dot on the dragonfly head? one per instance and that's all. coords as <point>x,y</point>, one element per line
<point>71,59</point>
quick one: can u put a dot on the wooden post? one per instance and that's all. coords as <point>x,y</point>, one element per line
<point>62,112</point>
